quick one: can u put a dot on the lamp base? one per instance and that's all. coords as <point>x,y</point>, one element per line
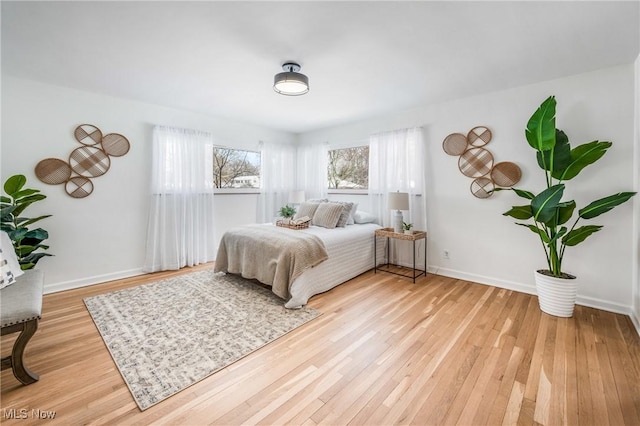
<point>397,221</point>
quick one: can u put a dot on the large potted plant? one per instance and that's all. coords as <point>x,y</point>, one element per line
<point>551,218</point>
<point>27,243</point>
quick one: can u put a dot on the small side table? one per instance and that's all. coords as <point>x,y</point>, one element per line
<point>389,233</point>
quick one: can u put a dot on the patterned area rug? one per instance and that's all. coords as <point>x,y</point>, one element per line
<point>167,335</point>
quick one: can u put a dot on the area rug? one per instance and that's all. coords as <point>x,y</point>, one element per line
<point>167,335</point>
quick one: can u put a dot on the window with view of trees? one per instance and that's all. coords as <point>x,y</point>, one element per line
<point>348,168</point>
<point>236,168</point>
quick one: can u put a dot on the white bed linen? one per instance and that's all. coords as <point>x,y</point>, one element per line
<point>350,251</point>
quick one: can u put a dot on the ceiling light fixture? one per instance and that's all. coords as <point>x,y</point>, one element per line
<point>291,82</point>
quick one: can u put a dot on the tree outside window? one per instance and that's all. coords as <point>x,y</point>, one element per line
<point>348,168</point>
<point>236,168</point>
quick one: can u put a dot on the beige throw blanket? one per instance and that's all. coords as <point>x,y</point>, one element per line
<point>274,256</point>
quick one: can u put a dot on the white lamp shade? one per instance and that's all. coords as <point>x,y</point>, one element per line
<point>296,197</point>
<point>399,201</point>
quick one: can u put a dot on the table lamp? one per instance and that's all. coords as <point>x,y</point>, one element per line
<point>398,201</point>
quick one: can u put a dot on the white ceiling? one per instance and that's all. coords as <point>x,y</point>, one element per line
<point>363,59</point>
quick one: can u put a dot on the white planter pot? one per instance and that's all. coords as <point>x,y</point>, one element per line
<point>556,296</point>
<point>408,232</point>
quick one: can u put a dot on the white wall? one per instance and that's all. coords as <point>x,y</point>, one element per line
<point>102,237</point>
<point>636,203</point>
<point>487,247</point>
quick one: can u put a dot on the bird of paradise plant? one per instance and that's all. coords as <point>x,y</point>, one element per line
<point>550,215</point>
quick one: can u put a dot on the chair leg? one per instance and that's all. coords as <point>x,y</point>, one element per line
<point>22,373</point>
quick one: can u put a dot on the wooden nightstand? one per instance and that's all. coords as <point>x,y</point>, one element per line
<point>389,233</point>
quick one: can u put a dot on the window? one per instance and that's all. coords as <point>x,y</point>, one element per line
<point>236,168</point>
<point>348,168</point>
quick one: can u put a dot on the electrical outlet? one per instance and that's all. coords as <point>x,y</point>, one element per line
<point>445,254</point>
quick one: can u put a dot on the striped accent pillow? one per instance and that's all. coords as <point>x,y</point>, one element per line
<point>346,212</point>
<point>327,215</point>
<point>306,209</point>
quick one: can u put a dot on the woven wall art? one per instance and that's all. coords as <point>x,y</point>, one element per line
<point>476,162</point>
<point>89,161</point>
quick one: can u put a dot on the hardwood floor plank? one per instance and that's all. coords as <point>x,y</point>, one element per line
<point>384,351</point>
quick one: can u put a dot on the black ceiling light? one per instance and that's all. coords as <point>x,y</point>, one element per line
<point>291,82</point>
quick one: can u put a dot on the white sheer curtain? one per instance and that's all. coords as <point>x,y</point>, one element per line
<point>181,225</point>
<point>397,163</point>
<point>278,179</point>
<point>312,169</point>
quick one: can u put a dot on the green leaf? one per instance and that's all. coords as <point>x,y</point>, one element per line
<point>24,193</point>
<point>578,235</point>
<point>520,192</point>
<point>541,128</point>
<point>520,212</point>
<point>565,211</point>
<point>38,234</point>
<point>25,221</point>
<point>557,158</point>
<point>4,199</point>
<point>544,204</point>
<point>559,234</point>
<point>26,202</point>
<point>34,257</point>
<point>540,232</point>
<point>14,184</point>
<point>6,211</point>
<point>581,157</point>
<point>524,194</point>
<point>603,205</point>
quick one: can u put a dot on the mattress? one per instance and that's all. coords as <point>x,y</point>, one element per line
<point>350,251</point>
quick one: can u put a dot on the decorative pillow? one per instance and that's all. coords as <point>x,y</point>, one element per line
<point>346,211</point>
<point>306,209</point>
<point>9,265</point>
<point>352,214</point>
<point>327,215</point>
<point>364,217</point>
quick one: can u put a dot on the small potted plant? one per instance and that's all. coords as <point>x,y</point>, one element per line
<point>407,228</point>
<point>287,212</point>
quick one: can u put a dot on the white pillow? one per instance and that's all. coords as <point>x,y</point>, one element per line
<point>352,214</point>
<point>363,217</point>
<point>9,266</point>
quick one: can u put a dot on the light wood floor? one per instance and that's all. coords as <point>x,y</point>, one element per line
<point>385,351</point>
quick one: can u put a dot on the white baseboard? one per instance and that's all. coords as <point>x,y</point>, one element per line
<point>531,289</point>
<point>97,279</point>
<point>636,322</point>
<point>481,279</point>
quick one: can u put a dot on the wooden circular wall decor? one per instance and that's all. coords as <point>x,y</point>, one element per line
<point>79,187</point>
<point>506,174</point>
<point>481,187</point>
<point>475,162</point>
<point>115,144</point>
<point>479,136</point>
<point>455,144</point>
<point>88,134</point>
<point>89,161</point>
<point>53,171</point>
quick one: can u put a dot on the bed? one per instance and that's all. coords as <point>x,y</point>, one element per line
<point>349,253</point>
